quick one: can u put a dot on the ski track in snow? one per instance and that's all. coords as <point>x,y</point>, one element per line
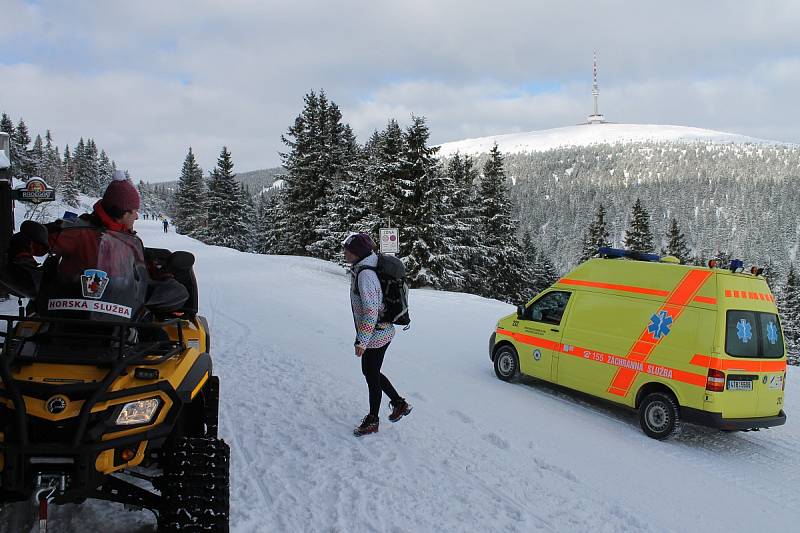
<point>476,454</point>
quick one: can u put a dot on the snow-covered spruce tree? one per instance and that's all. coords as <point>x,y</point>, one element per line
<point>7,125</point>
<point>465,224</point>
<point>425,215</point>
<point>789,304</point>
<point>190,199</point>
<point>52,171</point>
<point>264,240</point>
<point>69,188</point>
<point>388,186</point>
<point>639,236</point>
<point>341,164</point>
<point>275,234</point>
<point>309,173</point>
<point>226,224</point>
<point>249,218</point>
<point>597,235</point>
<point>501,267</point>
<point>347,201</point>
<point>676,242</point>
<point>105,171</point>
<point>37,157</point>
<point>22,163</point>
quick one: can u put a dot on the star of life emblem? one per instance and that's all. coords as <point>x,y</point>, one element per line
<point>94,283</point>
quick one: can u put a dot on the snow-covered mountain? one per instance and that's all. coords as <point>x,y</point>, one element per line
<point>588,134</point>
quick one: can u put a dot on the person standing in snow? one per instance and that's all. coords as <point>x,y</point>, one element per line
<point>372,336</point>
<point>166,225</point>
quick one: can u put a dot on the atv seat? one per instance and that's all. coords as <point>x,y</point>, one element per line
<point>159,257</point>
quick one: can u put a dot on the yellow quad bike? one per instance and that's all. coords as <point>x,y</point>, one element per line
<point>107,388</point>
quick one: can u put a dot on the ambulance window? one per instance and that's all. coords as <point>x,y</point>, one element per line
<point>753,334</point>
<point>549,308</point>
<point>771,338</point>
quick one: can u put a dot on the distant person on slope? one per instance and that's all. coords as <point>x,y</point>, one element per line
<point>372,337</point>
<point>166,225</point>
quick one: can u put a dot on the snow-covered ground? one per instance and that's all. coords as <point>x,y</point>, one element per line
<point>476,454</point>
<point>587,134</point>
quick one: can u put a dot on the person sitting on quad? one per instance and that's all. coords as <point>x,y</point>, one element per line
<point>103,240</point>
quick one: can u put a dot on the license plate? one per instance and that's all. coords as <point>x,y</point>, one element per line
<point>740,385</point>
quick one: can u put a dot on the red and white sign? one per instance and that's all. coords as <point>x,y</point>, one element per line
<point>93,306</point>
<point>390,240</point>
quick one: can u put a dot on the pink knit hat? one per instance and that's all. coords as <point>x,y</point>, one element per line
<point>121,193</point>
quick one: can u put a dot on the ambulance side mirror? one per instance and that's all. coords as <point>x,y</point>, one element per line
<point>520,312</point>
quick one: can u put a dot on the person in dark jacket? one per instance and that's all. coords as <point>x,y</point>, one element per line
<point>372,336</point>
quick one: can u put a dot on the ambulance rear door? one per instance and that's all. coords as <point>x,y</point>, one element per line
<point>756,368</point>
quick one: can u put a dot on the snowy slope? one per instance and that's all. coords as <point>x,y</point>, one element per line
<point>587,134</point>
<point>476,454</point>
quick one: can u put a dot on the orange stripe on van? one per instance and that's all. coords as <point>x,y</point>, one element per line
<point>665,372</point>
<point>683,293</point>
<point>539,342</point>
<point>629,288</point>
<point>734,364</point>
<point>613,287</point>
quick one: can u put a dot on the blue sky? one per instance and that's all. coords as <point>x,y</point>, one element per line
<point>149,79</point>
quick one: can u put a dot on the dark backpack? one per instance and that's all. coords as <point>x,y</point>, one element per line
<point>392,276</point>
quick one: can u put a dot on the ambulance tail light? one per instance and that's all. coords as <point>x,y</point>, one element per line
<point>716,380</point>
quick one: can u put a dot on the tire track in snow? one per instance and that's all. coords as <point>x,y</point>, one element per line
<point>241,446</point>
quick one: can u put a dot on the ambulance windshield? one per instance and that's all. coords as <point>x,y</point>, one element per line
<point>753,334</point>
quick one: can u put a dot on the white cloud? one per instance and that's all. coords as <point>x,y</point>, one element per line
<point>148,79</point>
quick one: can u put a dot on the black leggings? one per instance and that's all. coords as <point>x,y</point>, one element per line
<point>371,363</point>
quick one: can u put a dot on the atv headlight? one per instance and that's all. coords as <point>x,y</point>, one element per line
<point>139,412</point>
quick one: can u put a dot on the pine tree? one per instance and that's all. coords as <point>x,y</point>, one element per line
<point>80,167</point>
<point>346,208</point>
<point>190,199</point>
<point>465,223</point>
<point>389,186</point>
<point>264,240</point>
<point>52,165</point>
<point>501,268</point>
<point>425,215</point>
<point>676,242</point>
<point>22,166</point>
<point>596,236</point>
<point>38,157</point>
<point>226,224</point>
<point>789,304</point>
<point>307,183</point>
<point>639,237</point>
<point>105,172</point>
<point>249,219</point>
<point>341,169</point>
<point>6,125</point>
<point>69,189</point>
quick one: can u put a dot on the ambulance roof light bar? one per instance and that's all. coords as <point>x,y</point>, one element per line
<point>616,253</point>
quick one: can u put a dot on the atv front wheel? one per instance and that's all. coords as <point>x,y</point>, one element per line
<point>195,487</point>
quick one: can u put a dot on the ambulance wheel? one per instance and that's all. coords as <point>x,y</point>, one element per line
<point>659,415</point>
<point>506,363</point>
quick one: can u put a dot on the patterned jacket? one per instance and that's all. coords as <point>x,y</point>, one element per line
<point>366,300</point>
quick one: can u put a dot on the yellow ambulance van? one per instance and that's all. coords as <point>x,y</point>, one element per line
<point>677,342</point>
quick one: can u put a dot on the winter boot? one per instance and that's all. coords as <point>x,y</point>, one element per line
<point>368,425</point>
<point>399,410</point>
